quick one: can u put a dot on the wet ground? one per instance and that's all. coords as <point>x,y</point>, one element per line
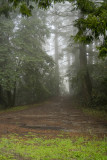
<point>53,117</point>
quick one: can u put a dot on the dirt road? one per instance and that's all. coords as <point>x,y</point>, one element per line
<point>53,117</point>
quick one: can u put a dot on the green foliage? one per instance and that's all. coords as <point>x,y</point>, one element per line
<point>103,49</point>
<point>98,75</point>
<point>26,72</point>
<point>38,67</point>
<point>18,108</point>
<point>25,10</point>
<point>7,71</point>
<point>31,147</point>
<point>86,6</point>
<point>25,6</point>
<point>5,8</point>
<point>93,25</point>
<point>99,81</point>
<point>98,112</point>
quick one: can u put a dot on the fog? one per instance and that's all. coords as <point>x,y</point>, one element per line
<point>50,54</point>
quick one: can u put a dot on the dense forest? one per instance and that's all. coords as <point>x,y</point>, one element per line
<point>49,50</point>
<point>53,79</point>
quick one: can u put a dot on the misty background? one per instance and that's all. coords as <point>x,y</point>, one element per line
<point>40,59</point>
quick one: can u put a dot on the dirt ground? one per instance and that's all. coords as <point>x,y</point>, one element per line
<point>52,118</point>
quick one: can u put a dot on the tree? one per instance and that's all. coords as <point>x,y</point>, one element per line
<point>26,70</point>
<point>93,25</point>
<point>7,70</point>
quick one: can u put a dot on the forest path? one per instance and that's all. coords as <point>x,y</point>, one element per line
<point>51,118</point>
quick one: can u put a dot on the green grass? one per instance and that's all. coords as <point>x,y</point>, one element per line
<point>30,147</point>
<point>17,108</point>
<point>100,114</point>
<point>20,108</point>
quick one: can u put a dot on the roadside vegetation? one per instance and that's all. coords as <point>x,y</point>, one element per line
<point>17,108</point>
<point>100,114</point>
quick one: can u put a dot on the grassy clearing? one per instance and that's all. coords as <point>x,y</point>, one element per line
<point>31,147</point>
<point>101,114</point>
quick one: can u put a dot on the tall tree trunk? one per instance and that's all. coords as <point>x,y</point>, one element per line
<point>69,83</point>
<point>9,98</point>
<point>2,98</point>
<point>56,53</point>
<point>14,96</point>
<point>86,86</point>
<point>57,64</point>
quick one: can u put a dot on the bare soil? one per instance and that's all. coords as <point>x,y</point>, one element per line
<point>59,116</point>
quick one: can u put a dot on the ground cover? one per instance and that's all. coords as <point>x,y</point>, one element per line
<point>31,147</point>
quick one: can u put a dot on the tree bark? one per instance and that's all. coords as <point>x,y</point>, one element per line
<point>86,86</point>
<point>14,96</point>
<point>9,98</point>
<point>57,64</point>
<point>2,98</point>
